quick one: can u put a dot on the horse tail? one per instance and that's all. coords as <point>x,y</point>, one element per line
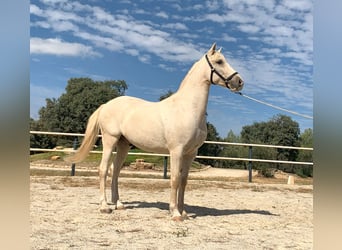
<point>90,137</point>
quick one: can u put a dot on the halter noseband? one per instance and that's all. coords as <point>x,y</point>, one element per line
<point>213,70</point>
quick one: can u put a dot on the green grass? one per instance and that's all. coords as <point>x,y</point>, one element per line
<point>158,161</point>
<point>96,157</point>
<point>45,156</point>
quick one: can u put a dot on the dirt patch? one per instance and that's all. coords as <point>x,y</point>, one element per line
<point>223,215</point>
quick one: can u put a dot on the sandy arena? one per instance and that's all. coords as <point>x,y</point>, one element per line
<point>223,215</point>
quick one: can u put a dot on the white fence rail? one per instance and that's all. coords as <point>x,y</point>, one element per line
<point>249,160</point>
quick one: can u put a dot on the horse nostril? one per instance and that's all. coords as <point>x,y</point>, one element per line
<point>240,82</point>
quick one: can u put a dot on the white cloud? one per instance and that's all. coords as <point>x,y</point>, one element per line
<point>282,31</point>
<point>271,50</point>
<point>286,24</point>
<point>34,9</point>
<point>65,26</point>
<point>144,58</point>
<point>41,24</point>
<point>276,24</point>
<point>55,46</point>
<point>249,28</point>
<point>53,2</point>
<point>212,5</point>
<point>162,14</point>
<point>132,52</point>
<point>299,5</point>
<point>114,32</point>
<point>176,26</point>
<point>276,83</point>
<point>197,7</point>
<point>101,41</point>
<point>166,67</point>
<point>228,38</point>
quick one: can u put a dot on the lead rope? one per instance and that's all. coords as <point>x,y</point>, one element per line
<point>273,106</point>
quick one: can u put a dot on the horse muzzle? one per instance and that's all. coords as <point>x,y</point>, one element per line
<point>235,83</point>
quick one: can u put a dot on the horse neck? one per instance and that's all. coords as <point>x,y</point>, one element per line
<point>194,88</point>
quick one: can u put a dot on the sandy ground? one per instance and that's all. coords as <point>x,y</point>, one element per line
<point>223,215</point>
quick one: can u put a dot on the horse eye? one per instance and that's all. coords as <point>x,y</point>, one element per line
<point>219,62</point>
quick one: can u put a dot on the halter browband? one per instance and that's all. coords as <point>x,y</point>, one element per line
<point>213,70</point>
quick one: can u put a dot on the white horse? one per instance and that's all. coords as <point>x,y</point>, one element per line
<point>175,125</point>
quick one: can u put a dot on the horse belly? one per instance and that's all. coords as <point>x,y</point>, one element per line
<point>143,129</point>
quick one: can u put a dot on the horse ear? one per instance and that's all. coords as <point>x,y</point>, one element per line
<point>211,51</point>
<point>219,50</point>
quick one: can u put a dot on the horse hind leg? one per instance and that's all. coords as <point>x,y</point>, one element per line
<point>123,147</point>
<point>108,143</point>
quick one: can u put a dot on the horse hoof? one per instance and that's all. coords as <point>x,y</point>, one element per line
<point>177,218</point>
<point>185,216</point>
<point>122,207</point>
<point>106,210</point>
<point>119,205</point>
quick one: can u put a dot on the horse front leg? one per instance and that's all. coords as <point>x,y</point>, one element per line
<point>186,164</point>
<point>121,153</point>
<point>175,160</point>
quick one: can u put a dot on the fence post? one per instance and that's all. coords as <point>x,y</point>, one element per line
<point>250,164</point>
<point>73,165</point>
<point>165,167</point>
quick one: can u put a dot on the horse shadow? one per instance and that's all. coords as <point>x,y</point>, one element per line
<point>197,211</point>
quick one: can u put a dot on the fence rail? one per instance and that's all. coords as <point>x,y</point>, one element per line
<point>208,142</point>
<point>249,159</point>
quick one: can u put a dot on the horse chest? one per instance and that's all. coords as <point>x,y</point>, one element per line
<point>187,134</point>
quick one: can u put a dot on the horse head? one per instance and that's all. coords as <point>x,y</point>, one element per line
<point>221,72</point>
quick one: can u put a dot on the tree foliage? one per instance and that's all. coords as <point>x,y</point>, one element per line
<point>306,140</point>
<point>40,141</point>
<point>280,130</point>
<point>70,112</point>
<point>233,151</point>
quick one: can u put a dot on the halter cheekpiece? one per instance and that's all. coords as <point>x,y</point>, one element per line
<point>213,70</point>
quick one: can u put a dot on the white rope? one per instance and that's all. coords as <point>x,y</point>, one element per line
<point>273,106</point>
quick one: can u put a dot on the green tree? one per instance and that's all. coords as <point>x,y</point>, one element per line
<point>306,140</point>
<point>70,112</point>
<point>38,140</point>
<point>286,132</point>
<point>258,133</point>
<point>280,130</point>
<point>233,151</point>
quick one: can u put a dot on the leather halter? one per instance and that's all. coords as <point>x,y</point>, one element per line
<point>213,70</point>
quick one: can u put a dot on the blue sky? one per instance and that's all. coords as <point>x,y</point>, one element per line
<point>152,44</point>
